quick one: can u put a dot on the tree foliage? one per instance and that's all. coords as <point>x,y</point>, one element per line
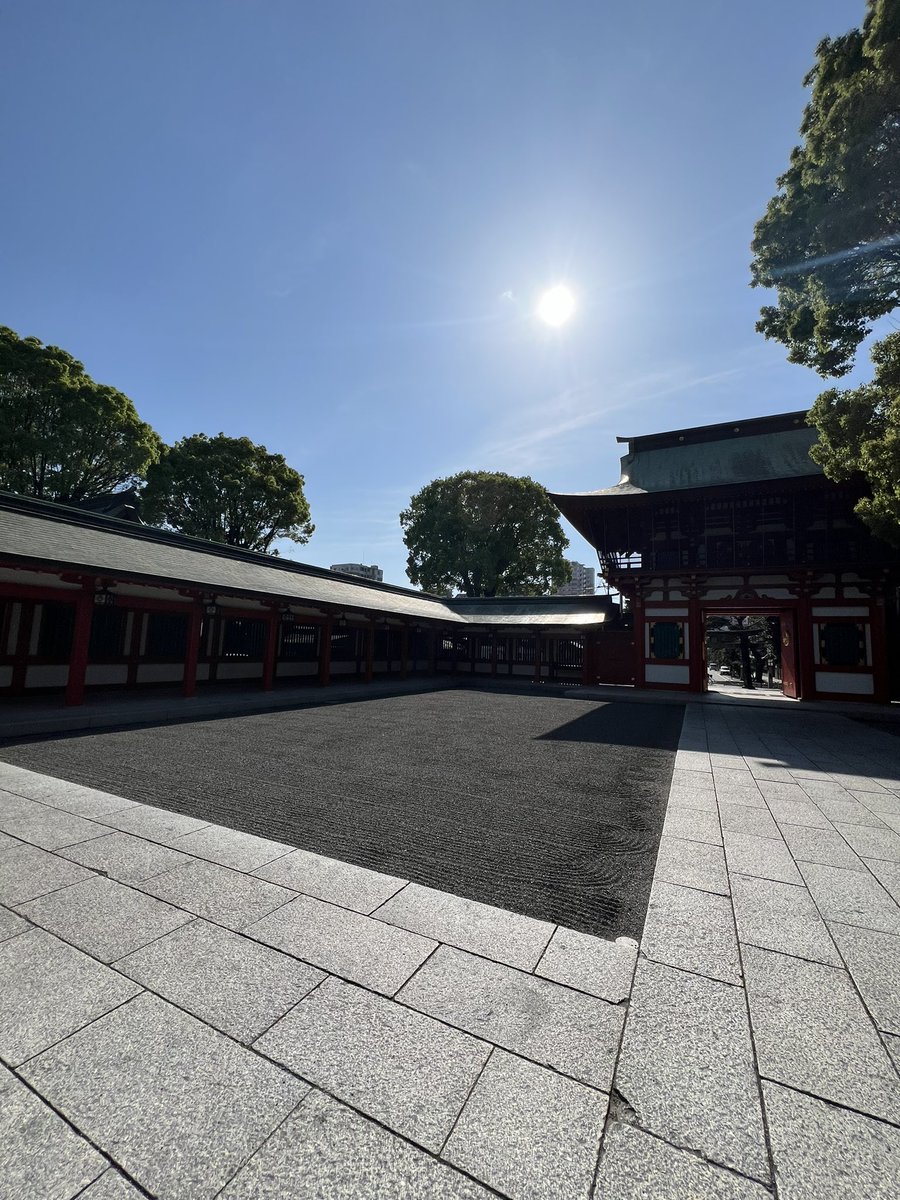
<point>859,433</point>
<point>227,489</point>
<point>485,534</point>
<point>829,242</point>
<point>62,436</point>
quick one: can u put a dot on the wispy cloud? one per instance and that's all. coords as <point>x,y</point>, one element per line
<point>538,437</point>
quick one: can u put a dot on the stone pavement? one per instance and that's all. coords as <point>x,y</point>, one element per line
<point>188,1011</point>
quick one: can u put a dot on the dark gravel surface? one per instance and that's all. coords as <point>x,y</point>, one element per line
<point>548,806</point>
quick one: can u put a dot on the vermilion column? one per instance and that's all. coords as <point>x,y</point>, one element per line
<point>192,651</point>
<point>325,652</point>
<point>370,652</point>
<point>404,652</point>
<point>81,640</point>
<point>494,652</point>
<point>271,652</point>
<point>880,681</point>
<point>588,672</point>
<point>537,659</point>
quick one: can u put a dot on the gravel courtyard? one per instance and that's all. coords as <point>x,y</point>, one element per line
<point>548,806</point>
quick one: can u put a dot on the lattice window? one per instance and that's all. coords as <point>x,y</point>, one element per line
<point>667,639</point>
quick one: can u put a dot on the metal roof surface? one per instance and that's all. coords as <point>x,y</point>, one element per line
<point>729,460</point>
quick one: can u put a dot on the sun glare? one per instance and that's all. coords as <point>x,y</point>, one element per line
<point>556,306</point>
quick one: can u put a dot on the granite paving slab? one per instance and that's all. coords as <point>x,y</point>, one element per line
<point>332,880</point>
<point>762,857</point>
<point>848,897</point>
<point>871,843</point>
<point>878,802</point>
<point>60,793</point>
<point>893,1048</point>
<point>780,916</point>
<point>111,1186</point>
<point>11,924</point>
<point>687,1070</point>
<point>888,875</point>
<point>528,1132</point>
<point>217,893</point>
<point>849,812</point>
<point>407,1071</point>
<point>591,964</point>
<point>740,818</point>
<point>178,1106</point>
<point>823,1152</point>
<point>825,846</point>
<point>156,824</point>
<point>329,1152</point>
<point>798,812</point>
<point>693,825</point>
<point>549,1024</point>
<point>692,864</point>
<point>812,1033</point>
<point>366,951</point>
<point>232,848</point>
<point>105,918</point>
<point>41,1157</point>
<point>49,990</point>
<point>51,828</point>
<point>230,982</point>
<point>28,871</point>
<point>493,932</point>
<point>693,930</point>
<point>124,857</point>
<point>636,1166</point>
<point>873,959</point>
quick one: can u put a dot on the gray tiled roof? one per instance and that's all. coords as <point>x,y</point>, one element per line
<point>151,555</point>
<point>52,534</point>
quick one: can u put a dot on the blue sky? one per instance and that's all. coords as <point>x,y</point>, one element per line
<point>326,226</point>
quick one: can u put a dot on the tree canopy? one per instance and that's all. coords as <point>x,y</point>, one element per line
<point>829,242</point>
<point>859,433</point>
<point>485,534</point>
<point>62,436</point>
<point>229,490</point>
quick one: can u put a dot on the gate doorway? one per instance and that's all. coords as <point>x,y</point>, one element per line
<point>750,651</point>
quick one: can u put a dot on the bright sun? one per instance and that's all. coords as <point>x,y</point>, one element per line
<point>556,305</point>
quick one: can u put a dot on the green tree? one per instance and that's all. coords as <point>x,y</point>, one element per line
<point>485,534</point>
<point>62,436</point>
<point>829,242</point>
<point>859,433</point>
<point>227,489</point>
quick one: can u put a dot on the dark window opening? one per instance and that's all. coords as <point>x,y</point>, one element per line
<point>166,635</point>
<point>107,634</point>
<point>842,644</point>
<point>666,639</point>
<point>299,643</point>
<point>55,636</point>
<point>244,638</point>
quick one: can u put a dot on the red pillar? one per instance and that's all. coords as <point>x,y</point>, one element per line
<point>588,669</point>
<point>23,644</point>
<point>325,652</point>
<point>404,652</point>
<point>494,652</point>
<point>81,639</point>
<point>432,651</point>
<point>695,645</point>
<point>806,667</point>
<point>537,658</point>
<point>370,652</point>
<point>880,681</point>
<point>192,651</point>
<point>271,652</point>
